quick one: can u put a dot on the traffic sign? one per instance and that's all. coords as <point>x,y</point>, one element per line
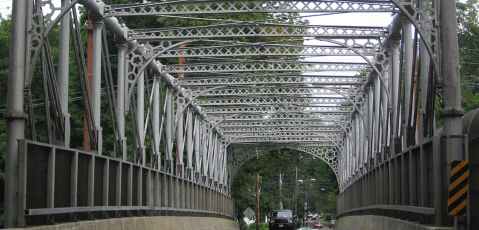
<point>248,213</point>
<point>458,188</point>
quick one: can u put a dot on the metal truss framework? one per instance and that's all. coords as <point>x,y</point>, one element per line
<point>270,79</point>
<point>258,30</point>
<point>226,95</point>
<point>250,50</point>
<point>242,154</point>
<point>238,6</point>
<point>261,66</point>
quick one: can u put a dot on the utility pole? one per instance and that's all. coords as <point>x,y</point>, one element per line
<point>296,191</point>
<point>257,201</point>
<point>305,217</point>
<point>280,192</point>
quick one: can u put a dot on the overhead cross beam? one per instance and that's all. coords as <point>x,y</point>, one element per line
<point>241,6</point>
<point>285,91</point>
<point>266,123</point>
<point>220,110</point>
<point>270,79</point>
<point>257,30</point>
<point>249,50</point>
<point>255,66</point>
<point>278,128</point>
<point>272,100</point>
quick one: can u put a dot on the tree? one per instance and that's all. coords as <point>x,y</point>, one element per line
<point>5,24</point>
<point>285,161</point>
<point>468,35</point>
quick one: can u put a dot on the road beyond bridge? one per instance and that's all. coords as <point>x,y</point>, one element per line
<point>150,110</point>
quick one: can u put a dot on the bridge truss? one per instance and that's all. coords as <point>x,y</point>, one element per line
<point>364,118</point>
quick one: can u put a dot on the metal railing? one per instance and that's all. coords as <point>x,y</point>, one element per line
<point>59,184</point>
<point>411,185</point>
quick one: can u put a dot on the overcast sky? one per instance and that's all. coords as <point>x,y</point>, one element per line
<point>5,7</point>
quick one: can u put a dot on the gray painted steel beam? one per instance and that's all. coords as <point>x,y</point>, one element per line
<point>233,6</point>
<point>257,30</point>
<point>258,66</point>
<point>273,100</point>
<point>270,79</point>
<point>261,49</point>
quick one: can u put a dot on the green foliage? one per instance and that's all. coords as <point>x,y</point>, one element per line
<point>468,35</point>
<point>5,24</point>
<point>321,194</point>
<point>328,216</point>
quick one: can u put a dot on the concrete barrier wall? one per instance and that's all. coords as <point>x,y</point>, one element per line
<point>146,223</point>
<point>381,223</point>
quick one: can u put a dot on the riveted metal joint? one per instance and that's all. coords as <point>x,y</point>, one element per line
<point>11,115</point>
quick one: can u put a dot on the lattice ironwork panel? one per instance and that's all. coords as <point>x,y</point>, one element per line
<point>328,135</point>
<point>264,49</point>
<point>271,79</point>
<point>285,139</point>
<point>262,129</point>
<point>284,117</point>
<point>232,125</point>
<point>232,6</point>
<point>271,109</point>
<point>256,30</point>
<point>255,101</point>
<point>288,91</point>
<point>255,66</point>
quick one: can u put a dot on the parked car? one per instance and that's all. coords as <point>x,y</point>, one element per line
<point>282,219</point>
<point>318,225</point>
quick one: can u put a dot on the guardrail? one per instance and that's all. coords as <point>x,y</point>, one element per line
<point>61,184</point>
<point>411,185</point>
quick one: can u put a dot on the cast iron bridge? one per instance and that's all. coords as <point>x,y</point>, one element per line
<point>361,98</point>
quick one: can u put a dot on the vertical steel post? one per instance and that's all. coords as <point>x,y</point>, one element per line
<point>63,70</point>
<point>408,81</point>
<point>98,24</point>
<point>118,194</point>
<point>394,91</point>
<point>179,139</point>
<point>169,127</point>
<point>438,181</point>
<point>450,72</point>
<point>140,114</point>
<point>120,96</point>
<point>385,121</point>
<point>106,185</point>
<point>15,116</point>
<point>74,184</point>
<point>156,120</point>
<point>189,142</point>
<point>89,64</point>
<point>451,80</point>
<point>377,119</point>
<point>50,195</point>
<point>197,146</point>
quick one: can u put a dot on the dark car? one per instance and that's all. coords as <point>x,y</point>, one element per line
<point>282,219</point>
